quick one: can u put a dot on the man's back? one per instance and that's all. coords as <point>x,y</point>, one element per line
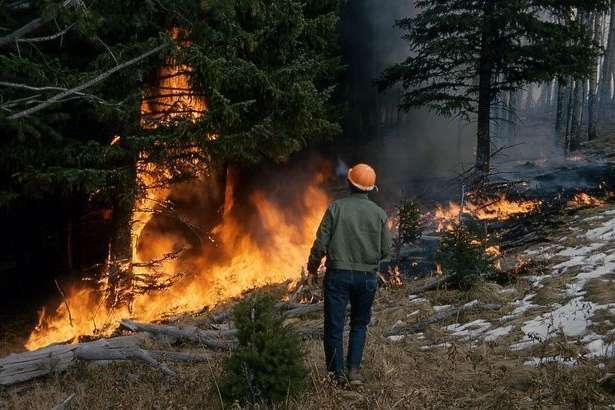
<point>353,235</point>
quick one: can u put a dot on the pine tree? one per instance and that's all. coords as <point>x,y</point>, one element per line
<point>466,53</point>
<point>267,366</point>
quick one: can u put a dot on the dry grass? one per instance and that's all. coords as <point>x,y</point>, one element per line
<point>399,374</point>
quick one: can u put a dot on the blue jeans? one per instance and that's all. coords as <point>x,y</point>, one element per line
<point>340,287</point>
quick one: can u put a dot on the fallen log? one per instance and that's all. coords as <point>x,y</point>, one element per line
<point>435,284</point>
<point>20,367</point>
<point>438,317</point>
<point>190,333</point>
<point>304,310</point>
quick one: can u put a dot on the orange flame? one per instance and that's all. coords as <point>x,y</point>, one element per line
<point>499,209</point>
<point>583,199</point>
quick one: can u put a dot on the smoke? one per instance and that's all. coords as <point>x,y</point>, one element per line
<point>410,151</point>
<point>416,153</point>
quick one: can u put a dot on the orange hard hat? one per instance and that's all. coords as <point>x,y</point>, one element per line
<point>363,177</point>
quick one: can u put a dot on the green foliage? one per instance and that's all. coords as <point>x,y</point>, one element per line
<point>269,69</point>
<point>510,43</point>
<point>409,226</point>
<point>462,254</point>
<point>268,364</point>
<point>266,69</point>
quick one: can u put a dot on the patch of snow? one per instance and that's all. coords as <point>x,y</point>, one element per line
<point>471,304</point>
<point>600,348</point>
<point>440,346</point>
<point>539,361</point>
<point>416,312</point>
<point>418,300</point>
<point>606,232</point>
<point>583,251</point>
<point>396,338</point>
<point>498,332</point>
<point>507,290</point>
<point>522,306</point>
<point>535,280</point>
<point>412,297</point>
<point>439,308</point>
<point>572,319</point>
<point>469,330</point>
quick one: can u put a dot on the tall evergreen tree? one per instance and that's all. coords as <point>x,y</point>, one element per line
<point>73,76</point>
<point>465,53</point>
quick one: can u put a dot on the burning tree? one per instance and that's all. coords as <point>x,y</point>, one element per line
<point>103,104</point>
<point>467,54</point>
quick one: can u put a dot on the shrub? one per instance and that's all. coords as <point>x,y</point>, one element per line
<point>268,364</point>
<point>462,255</point>
<point>409,226</point>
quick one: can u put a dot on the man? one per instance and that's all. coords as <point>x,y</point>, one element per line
<point>354,237</point>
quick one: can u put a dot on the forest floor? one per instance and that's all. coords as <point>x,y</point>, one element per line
<point>550,345</point>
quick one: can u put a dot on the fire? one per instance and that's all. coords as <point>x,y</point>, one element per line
<point>173,98</point>
<point>244,261</point>
<point>501,209</point>
<point>583,199</point>
<point>236,257</point>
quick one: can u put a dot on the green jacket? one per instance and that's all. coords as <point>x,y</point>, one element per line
<point>353,235</point>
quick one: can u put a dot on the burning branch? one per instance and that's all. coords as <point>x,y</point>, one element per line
<point>70,317</point>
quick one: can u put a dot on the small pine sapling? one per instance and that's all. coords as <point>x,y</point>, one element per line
<point>409,225</point>
<point>463,255</point>
<point>268,364</point>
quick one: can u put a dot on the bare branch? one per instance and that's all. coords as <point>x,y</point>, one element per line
<point>20,32</point>
<point>58,97</point>
<point>27,28</point>
<point>45,38</point>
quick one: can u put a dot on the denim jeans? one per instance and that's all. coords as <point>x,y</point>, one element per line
<point>340,287</point>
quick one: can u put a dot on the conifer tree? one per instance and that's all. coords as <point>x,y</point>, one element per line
<point>268,364</point>
<point>465,54</point>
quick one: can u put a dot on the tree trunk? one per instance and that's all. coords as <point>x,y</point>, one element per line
<point>568,113</point>
<point>560,117</point>
<point>576,116</point>
<point>606,77</point>
<point>485,95</point>
<point>593,83</point>
<point>513,108</point>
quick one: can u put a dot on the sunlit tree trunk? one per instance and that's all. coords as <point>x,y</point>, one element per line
<point>606,77</point>
<point>593,83</point>
<point>576,118</point>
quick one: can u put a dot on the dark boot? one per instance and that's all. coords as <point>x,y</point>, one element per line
<point>355,377</point>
